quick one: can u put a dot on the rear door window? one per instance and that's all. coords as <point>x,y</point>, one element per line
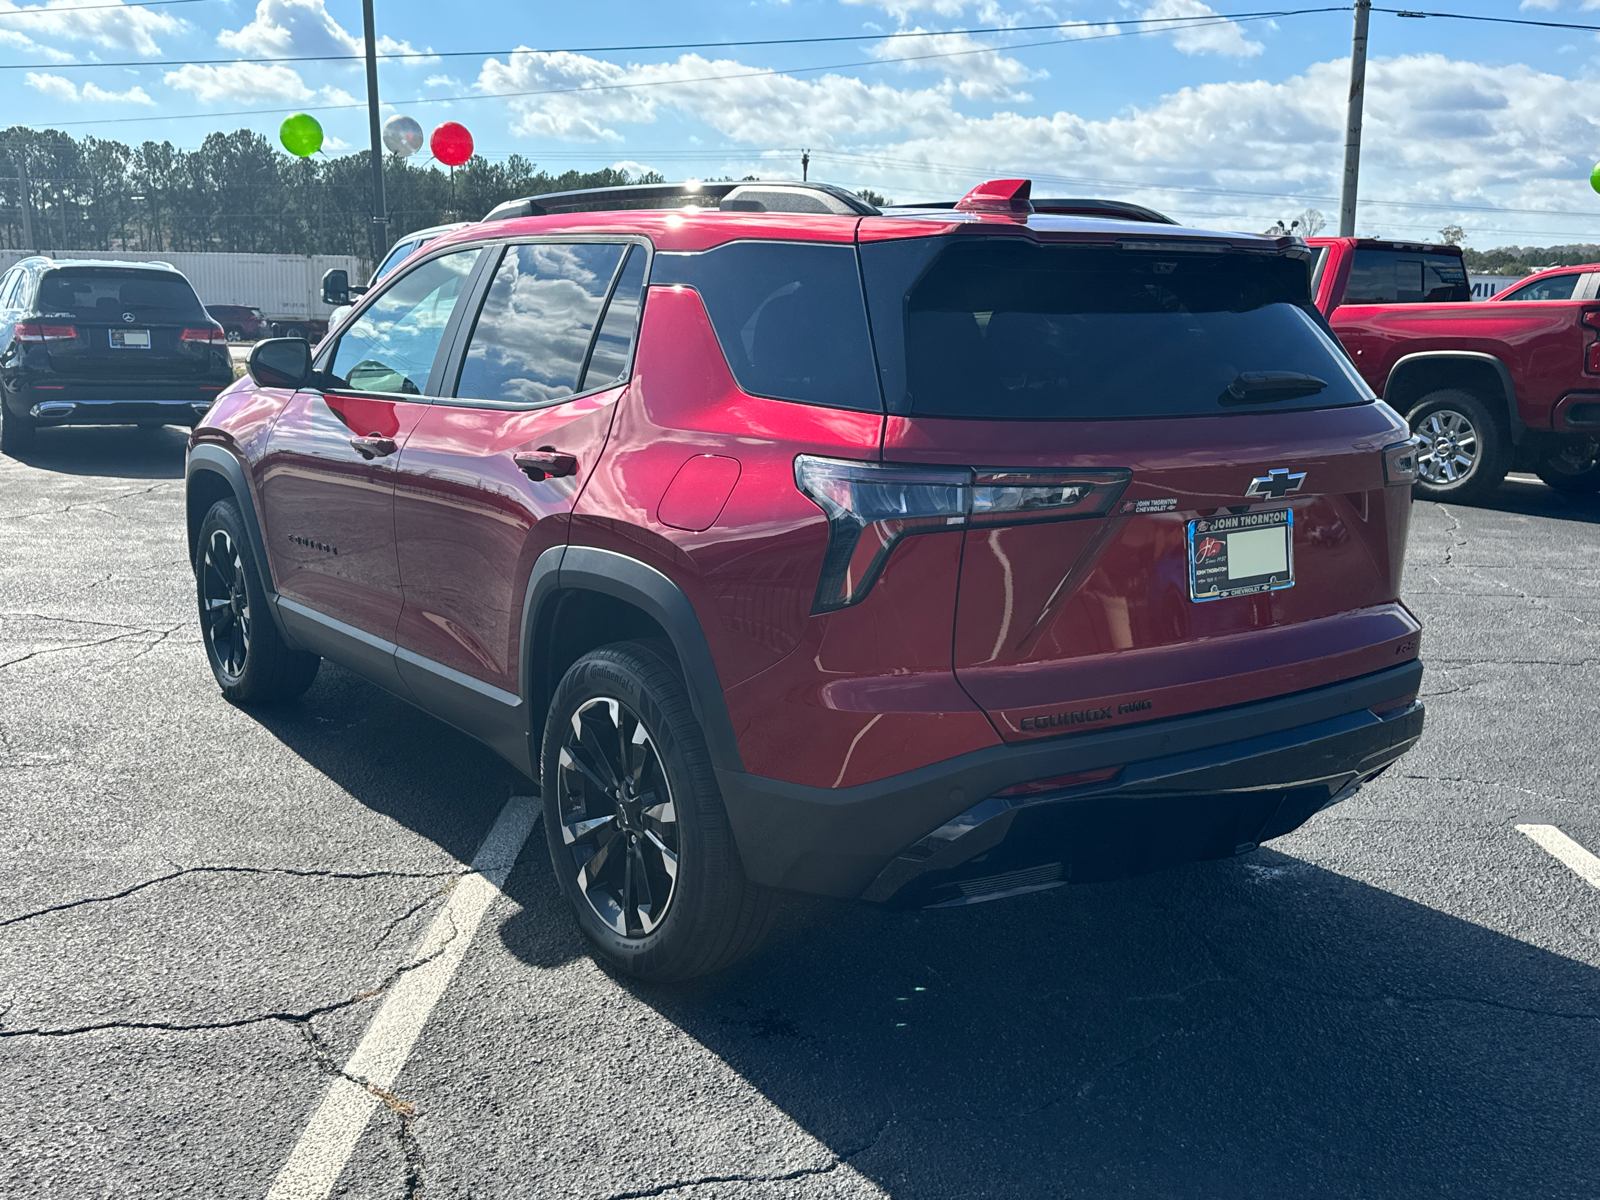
<point>98,295</point>
<point>613,345</point>
<point>1381,276</point>
<point>1006,328</point>
<point>391,346</point>
<point>533,335</point>
<point>789,317</point>
<point>1556,287</point>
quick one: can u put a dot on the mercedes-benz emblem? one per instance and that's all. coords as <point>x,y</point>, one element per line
<point>128,317</point>
<point>1275,484</point>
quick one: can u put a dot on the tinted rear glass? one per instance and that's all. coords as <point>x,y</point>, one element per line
<point>1002,328</point>
<point>1406,277</point>
<point>789,316</point>
<point>92,294</point>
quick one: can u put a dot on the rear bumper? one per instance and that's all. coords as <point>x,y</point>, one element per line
<point>1189,788</point>
<point>179,404</point>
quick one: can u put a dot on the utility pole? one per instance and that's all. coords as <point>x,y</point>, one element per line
<point>1352,129</point>
<point>27,208</point>
<point>805,164</point>
<point>380,214</point>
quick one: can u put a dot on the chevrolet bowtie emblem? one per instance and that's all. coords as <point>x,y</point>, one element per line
<point>1275,484</point>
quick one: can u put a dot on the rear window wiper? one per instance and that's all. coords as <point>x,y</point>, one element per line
<point>1263,387</point>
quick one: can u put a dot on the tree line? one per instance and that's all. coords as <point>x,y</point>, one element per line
<point>239,192</point>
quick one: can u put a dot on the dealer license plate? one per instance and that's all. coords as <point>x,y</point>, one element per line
<point>1241,555</point>
<point>130,339</point>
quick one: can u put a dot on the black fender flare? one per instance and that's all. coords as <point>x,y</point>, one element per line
<point>585,568</point>
<point>1477,357</point>
<point>215,460</point>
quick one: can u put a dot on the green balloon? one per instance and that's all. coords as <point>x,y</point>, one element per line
<point>1594,177</point>
<point>301,135</point>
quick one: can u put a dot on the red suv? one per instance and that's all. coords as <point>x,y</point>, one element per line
<point>926,556</point>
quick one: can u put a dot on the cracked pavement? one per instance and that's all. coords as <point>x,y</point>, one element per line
<point>203,907</point>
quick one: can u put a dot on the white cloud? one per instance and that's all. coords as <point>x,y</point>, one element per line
<point>239,82</point>
<point>284,27</point>
<point>1222,37</point>
<point>1439,131</point>
<point>11,37</point>
<point>979,73</point>
<point>118,25</point>
<point>60,88</point>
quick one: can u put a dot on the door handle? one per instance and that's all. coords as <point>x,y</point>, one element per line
<point>546,463</point>
<point>374,445</point>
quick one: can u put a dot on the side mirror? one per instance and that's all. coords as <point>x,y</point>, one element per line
<point>281,363</point>
<point>336,286</point>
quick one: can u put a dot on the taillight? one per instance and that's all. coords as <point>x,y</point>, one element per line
<point>1400,461</point>
<point>1591,360</point>
<point>872,506</point>
<point>38,331</point>
<point>214,336</point>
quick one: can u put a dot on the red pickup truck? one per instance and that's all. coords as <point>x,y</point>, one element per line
<point>1489,387</point>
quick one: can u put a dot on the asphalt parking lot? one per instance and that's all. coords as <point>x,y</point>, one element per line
<point>204,909</point>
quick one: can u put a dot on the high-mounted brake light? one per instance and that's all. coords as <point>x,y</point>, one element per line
<point>999,196</point>
<point>38,331</point>
<point>214,336</point>
<point>871,507</point>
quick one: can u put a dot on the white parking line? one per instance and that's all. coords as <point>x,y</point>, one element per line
<point>323,1149</point>
<point>1568,851</point>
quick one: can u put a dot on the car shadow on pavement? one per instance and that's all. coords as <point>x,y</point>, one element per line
<point>110,451</point>
<point>397,760</point>
<point>1530,497</point>
<point>1258,1027</point>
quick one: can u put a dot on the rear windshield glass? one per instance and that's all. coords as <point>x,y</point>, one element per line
<point>100,295</point>
<point>789,317</point>
<point>1406,277</point>
<point>1002,328</point>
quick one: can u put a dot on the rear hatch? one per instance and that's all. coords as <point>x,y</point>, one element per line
<point>128,323</point>
<point>1178,486</point>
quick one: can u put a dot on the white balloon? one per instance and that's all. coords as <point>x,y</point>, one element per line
<point>402,135</point>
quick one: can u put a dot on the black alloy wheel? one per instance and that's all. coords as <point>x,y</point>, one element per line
<point>617,817</point>
<point>225,605</point>
<point>248,655</point>
<point>639,840</point>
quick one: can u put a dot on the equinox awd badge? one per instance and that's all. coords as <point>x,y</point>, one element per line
<point>1275,484</point>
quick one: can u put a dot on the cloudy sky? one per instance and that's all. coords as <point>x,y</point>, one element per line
<point>1221,123</point>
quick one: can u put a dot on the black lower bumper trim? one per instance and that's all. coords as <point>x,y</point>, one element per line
<point>1251,757</point>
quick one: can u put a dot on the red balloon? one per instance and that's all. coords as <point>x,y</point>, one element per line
<point>451,144</point>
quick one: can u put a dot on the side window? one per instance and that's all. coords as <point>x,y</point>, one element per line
<point>790,318</point>
<point>1405,277</point>
<point>391,347</point>
<point>1557,287</point>
<point>393,259</point>
<point>8,288</point>
<point>608,361</point>
<point>533,334</point>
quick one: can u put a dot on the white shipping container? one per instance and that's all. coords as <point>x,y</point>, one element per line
<point>286,287</point>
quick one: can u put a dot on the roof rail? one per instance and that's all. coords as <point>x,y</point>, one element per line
<point>1116,210</point>
<point>745,196</point>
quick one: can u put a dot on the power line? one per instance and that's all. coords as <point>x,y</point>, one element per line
<point>1198,23</point>
<point>855,37</point>
<point>802,41</point>
<point>1447,16</point>
<point>51,12</point>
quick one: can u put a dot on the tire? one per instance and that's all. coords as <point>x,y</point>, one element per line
<point>1572,467</point>
<point>628,699</point>
<point>16,430</point>
<point>1471,442</point>
<point>247,654</point>
<point>235,334</point>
